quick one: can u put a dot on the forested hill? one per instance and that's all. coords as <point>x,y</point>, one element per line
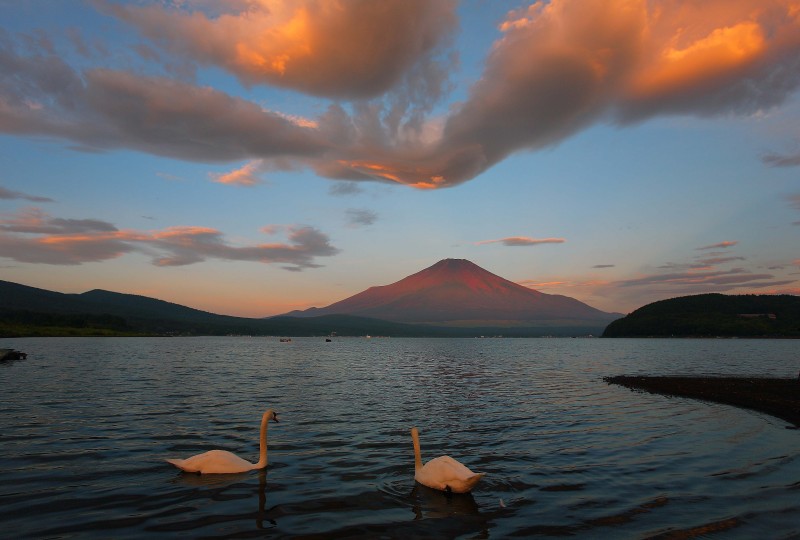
<point>711,315</point>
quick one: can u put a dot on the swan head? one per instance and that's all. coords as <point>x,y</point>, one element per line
<point>274,417</point>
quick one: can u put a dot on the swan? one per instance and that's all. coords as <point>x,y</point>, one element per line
<point>222,461</point>
<point>443,473</point>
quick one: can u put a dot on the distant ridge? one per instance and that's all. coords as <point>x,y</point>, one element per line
<point>30,311</point>
<point>26,310</point>
<point>713,315</point>
<point>457,292</point>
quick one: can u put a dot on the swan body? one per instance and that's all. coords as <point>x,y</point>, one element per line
<point>224,462</point>
<point>443,473</point>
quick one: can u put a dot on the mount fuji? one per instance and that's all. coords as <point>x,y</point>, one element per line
<point>457,292</point>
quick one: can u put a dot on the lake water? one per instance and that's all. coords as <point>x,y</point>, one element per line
<point>86,423</point>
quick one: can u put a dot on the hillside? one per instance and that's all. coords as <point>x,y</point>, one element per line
<point>457,292</point>
<point>711,315</point>
<point>29,311</point>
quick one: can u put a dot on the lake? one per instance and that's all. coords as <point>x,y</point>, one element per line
<point>87,422</point>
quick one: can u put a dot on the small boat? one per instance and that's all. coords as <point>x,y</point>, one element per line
<point>286,340</point>
<point>12,354</point>
<point>328,340</point>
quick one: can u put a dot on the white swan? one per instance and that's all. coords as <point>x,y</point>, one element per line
<point>222,461</point>
<point>443,472</point>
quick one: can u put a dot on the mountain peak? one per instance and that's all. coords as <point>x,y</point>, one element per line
<point>458,291</point>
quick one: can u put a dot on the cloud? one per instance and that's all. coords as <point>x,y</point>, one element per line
<point>244,176</point>
<point>340,49</point>
<point>725,279</point>
<point>532,284</point>
<point>794,201</point>
<point>106,109</point>
<point>781,160</point>
<point>341,189</point>
<point>714,261</point>
<point>35,221</point>
<point>8,194</point>
<point>515,241</point>
<point>603,266</point>
<point>721,245</point>
<point>356,217</point>
<point>34,237</point>
<point>558,68</point>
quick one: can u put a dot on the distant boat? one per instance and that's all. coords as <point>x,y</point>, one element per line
<point>286,340</point>
<point>328,339</point>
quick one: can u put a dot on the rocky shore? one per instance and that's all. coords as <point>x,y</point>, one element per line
<point>776,397</point>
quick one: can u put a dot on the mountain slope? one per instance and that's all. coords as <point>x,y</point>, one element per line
<point>459,292</point>
<point>23,308</point>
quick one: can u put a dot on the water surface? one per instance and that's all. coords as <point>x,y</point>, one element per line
<point>86,423</point>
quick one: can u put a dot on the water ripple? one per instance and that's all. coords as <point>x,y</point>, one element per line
<point>82,449</point>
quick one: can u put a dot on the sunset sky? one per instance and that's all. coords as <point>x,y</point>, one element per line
<point>251,157</point>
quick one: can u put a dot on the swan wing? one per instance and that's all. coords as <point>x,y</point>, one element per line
<point>213,462</point>
<point>445,472</point>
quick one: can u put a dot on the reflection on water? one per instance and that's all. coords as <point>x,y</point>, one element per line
<point>431,504</point>
<point>87,423</point>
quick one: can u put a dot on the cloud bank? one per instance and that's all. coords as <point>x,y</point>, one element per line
<point>558,68</point>
<point>34,237</point>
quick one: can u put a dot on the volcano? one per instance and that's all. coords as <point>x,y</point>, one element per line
<point>457,292</point>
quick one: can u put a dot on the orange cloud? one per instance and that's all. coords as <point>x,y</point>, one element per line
<point>541,284</point>
<point>558,67</point>
<point>714,56</point>
<point>338,48</point>
<point>244,176</point>
<point>709,58</point>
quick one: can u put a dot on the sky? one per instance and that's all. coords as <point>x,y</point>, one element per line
<point>252,157</point>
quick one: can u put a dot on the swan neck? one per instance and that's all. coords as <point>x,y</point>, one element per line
<point>417,456</point>
<point>262,447</point>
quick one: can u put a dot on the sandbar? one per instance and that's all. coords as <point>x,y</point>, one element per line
<point>776,397</point>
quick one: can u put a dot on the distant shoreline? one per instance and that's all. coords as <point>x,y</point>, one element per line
<point>777,397</point>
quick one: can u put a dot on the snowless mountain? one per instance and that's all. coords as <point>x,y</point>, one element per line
<point>457,292</point>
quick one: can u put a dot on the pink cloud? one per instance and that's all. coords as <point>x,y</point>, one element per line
<point>720,245</point>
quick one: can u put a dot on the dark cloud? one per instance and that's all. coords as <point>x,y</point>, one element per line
<point>721,245</point>
<point>714,261</point>
<point>730,278</point>
<point>781,160</point>
<point>8,194</point>
<point>341,189</point>
<point>603,266</point>
<point>361,217</point>
<point>105,109</point>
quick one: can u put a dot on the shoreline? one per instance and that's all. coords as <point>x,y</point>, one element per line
<point>777,397</point>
